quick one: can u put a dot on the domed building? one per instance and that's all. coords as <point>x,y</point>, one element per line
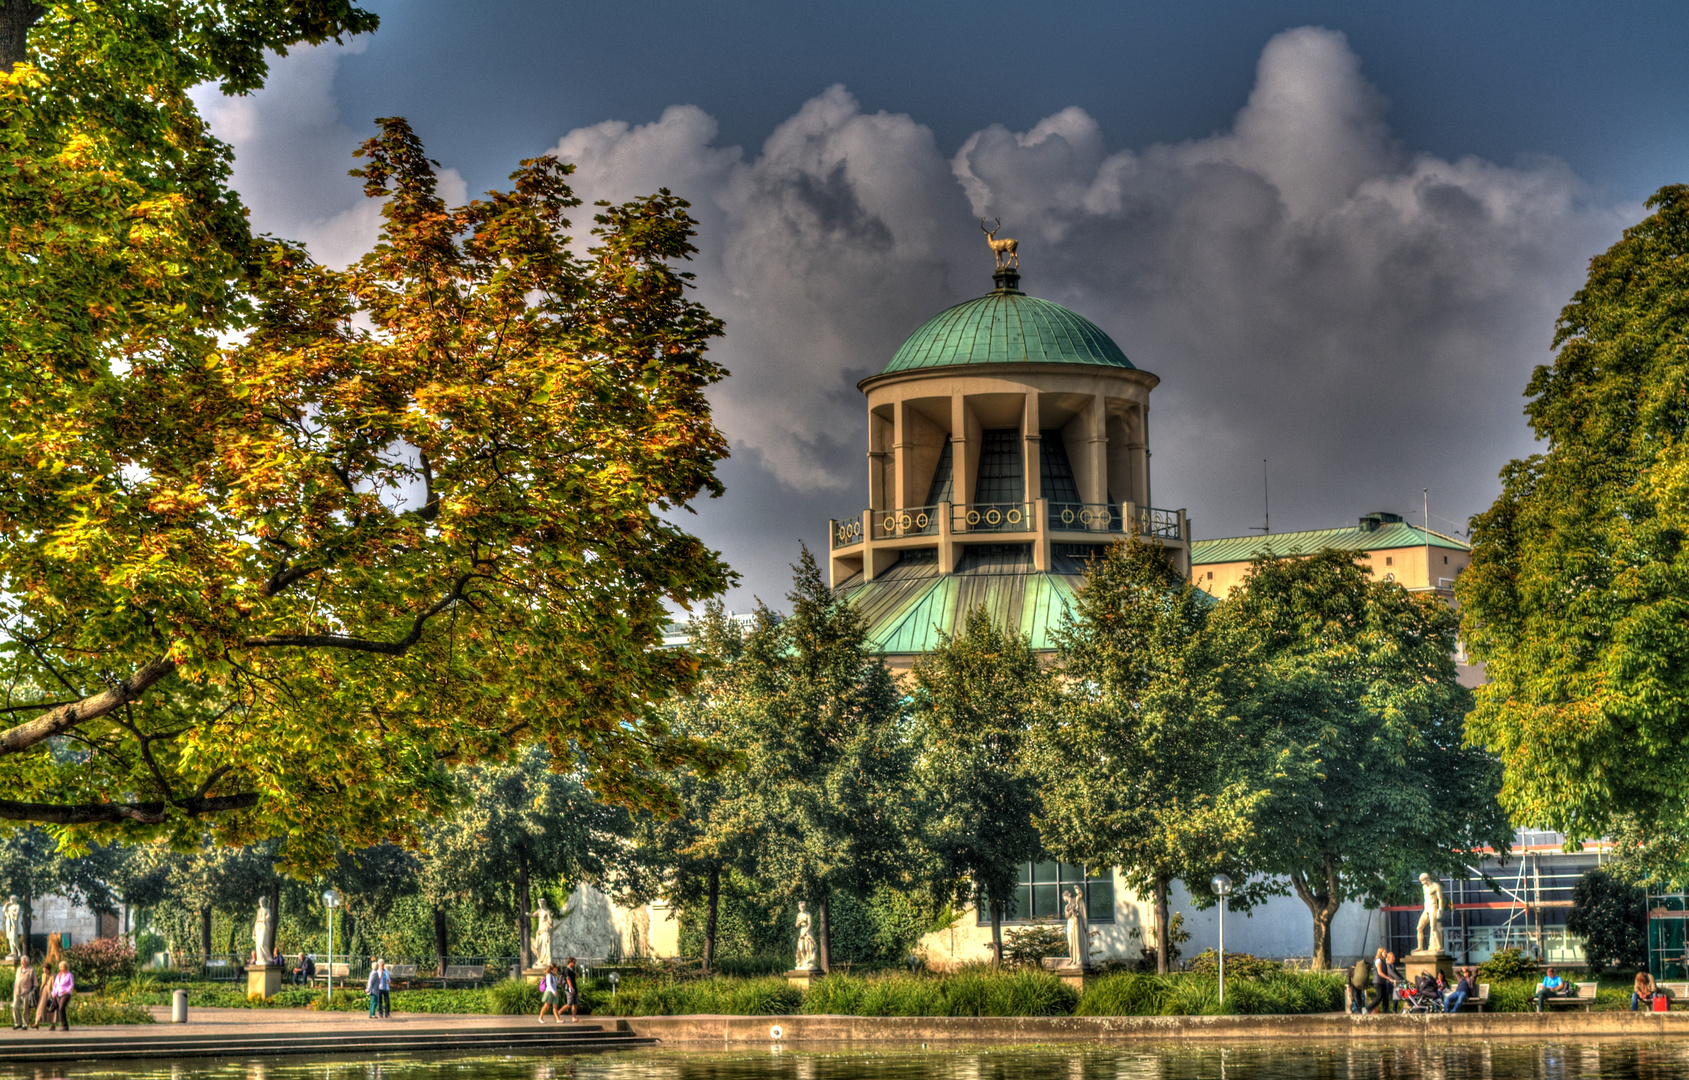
<point>1008,442</point>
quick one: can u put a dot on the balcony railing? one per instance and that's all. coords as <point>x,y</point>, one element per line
<point>847,531</point>
<point>917,521</point>
<point>1163,524</point>
<point>1086,517</point>
<point>1114,519</point>
<point>992,517</point>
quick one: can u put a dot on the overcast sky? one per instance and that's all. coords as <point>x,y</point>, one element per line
<point>1339,233</point>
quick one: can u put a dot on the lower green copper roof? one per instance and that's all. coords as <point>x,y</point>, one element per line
<point>911,606</point>
<point>1396,534</point>
<point>1007,327</point>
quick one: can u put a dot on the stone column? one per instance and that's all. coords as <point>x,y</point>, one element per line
<point>1031,449</point>
<point>1095,449</point>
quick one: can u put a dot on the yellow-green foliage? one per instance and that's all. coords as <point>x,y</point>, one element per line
<point>1188,994</point>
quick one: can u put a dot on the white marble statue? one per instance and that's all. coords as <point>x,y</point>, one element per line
<point>806,942</point>
<point>1432,917</point>
<point>542,934</point>
<point>14,927</point>
<point>1078,928</point>
<point>261,932</point>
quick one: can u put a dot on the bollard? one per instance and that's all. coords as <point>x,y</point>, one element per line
<point>179,1007</point>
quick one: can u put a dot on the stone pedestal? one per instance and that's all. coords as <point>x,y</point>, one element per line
<point>1071,972</point>
<point>264,980</point>
<point>802,977</point>
<point>535,974</point>
<point>1416,964</point>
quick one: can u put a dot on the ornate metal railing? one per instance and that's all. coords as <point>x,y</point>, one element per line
<point>915,521</point>
<point>1163,524</point>
<point>1086,517</point>
<point>847,531</point>
<point>992,517</point>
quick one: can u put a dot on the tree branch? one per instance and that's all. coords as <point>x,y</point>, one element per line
<point>146,813</point>
<point>342,641</point>
<point>62,719</point>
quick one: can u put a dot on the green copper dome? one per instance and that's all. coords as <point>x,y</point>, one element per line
<point>1007,327</point>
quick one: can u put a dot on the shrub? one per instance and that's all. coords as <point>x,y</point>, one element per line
<point>1240,965</point>
<point>6,979</point>
<point>87,1010</point>
<point>1133,994</point>
<point>513,997</point>
<point>1507,964</point>
<point>982,992</point>
<point>341,1001</point>
<point>99,962</point>
<point>442,1001</point>
<point>1192,995</point>
<point>1512,995</point>
<point>1027,946</point>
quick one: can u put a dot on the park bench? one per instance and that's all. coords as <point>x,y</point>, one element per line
<point>401,975</point>
<point>1677,993</point>
<point>1479,1002</point>
<point>1584,999</point>
<point>342,972</point>
<point>464,973</point>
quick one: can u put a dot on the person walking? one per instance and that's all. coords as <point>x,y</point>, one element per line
<point>549,994</point>
<point>58,998</point>
<point>25,987</point>
<point>1359,978</point>
<point>385,990</point>
<point>1384,981</point>
<point>372,987</point>
<point>571,988</point>
<point>49,966</point>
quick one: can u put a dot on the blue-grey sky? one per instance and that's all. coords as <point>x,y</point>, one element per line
<point>1338,232</point>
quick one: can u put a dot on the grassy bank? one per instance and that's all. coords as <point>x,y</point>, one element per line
<point>969,992</point>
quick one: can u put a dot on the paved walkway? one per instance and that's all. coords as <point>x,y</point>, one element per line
<point>276,1021</point>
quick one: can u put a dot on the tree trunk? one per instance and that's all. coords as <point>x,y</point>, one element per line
<point>522,949</point>
<point>997,933</point>
<point>204,936</point>
<point>712,907</point>
<point>275,920</point>
<point>1323,902</point>
<point>440,938</point>
<point>16,17</point>
<point>1163,931</point>
<point>823,944</point>
<point>28,918</point>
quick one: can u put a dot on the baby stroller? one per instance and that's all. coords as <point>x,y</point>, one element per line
<point>1424,996</point>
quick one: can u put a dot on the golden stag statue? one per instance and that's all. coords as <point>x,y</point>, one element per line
<point>1006,250</point>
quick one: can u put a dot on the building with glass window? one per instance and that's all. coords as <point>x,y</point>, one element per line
<point>1008,440</point>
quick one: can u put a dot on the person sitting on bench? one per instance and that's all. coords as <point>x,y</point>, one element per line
<point>306,971</point>
<point>1553,985</point>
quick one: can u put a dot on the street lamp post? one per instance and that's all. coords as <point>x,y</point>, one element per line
<point>1222,885</point>
<point>331,900</point>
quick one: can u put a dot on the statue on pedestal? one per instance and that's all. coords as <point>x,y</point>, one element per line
<point>1431,918</point>
<point>14,927</point>
<point>261,932</point>
<point>806,942</point>
<point>542,934</point>
<point>1078,928</point>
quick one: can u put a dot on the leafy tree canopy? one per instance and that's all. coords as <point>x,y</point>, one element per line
<point>278,542</point>
<point>1577,598</point>
<point>1347,688</point>
<point>975,700</point>
<point>1611,915</point>
<point>823,804</point>
<point>1139,768</point>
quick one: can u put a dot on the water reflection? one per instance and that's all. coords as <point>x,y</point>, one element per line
<point>1505,1061</point>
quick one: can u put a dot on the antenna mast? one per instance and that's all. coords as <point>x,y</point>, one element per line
<point>1267,506</point>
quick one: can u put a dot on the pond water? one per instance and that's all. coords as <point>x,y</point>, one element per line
<point>1494,1061</point>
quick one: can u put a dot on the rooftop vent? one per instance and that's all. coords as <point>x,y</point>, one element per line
<point>1371,522</point>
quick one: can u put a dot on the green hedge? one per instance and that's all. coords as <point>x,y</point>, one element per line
<point>1189,994</point>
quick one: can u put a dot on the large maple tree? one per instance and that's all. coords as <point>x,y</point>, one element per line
<point>278,542</point>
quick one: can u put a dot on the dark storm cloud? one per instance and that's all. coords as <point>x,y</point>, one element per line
<point>1309,290</point>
